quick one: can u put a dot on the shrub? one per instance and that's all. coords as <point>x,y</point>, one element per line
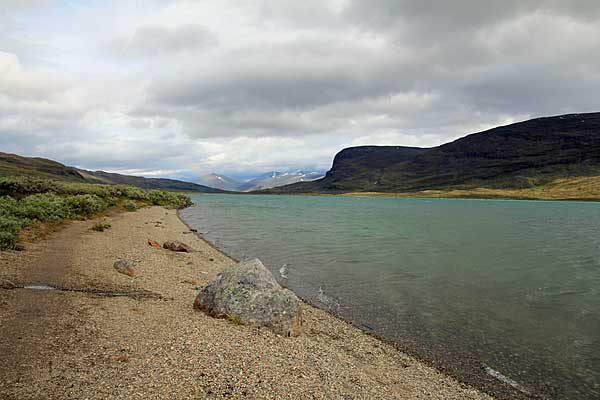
<point>8,205</point>
<point>42,207</point>
<point>101,226</point>
<point>84,205</point>
<point>23,185</point>
<point>129,206</point>
<point>24,200</point>
<point>9,231</point>
<point>8,240</point>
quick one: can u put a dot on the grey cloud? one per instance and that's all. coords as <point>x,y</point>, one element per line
<point>304,14</point>
<point>150,40</point>
<point>458,15</point>
<point>294,76</point>
<point>286,87</point>
<point>287,83</point>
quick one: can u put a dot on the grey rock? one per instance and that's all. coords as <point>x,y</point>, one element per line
<point>177,246</point>
<point>248,292</point>
<point>126,267</point>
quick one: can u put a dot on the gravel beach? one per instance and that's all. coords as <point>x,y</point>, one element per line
<point>104,335</point>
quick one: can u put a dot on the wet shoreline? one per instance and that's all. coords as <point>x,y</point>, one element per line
<point>505,366</point>
<point>477,374</point>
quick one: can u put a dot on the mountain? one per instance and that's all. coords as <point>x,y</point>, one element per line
<point>264,181</point>
<point>519,155</point>
<point>220,182</point>
<point>274,179</point>
<point>12,164</point>
<point>148,183</point>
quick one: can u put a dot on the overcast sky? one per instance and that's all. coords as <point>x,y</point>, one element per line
<point>183,88</point>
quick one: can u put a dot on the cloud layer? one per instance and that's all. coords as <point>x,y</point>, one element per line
<point>182,88</point>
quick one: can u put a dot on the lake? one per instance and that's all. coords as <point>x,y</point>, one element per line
<point>503,294</point>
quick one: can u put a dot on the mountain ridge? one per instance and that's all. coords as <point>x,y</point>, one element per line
<point>266,180</point>
<point>517,155</point>
<point>13,164</point>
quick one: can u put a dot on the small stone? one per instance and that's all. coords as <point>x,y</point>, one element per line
<point>6,284</point>
<point>153,243</point>
<point>177,246</point>
<point>125,267</point>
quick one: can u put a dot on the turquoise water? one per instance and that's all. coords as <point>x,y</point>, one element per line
<point>477,287</point>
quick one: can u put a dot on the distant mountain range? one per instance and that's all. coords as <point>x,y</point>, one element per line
<point>12,164</point>
<point>264,181</point>
<point>220,182</point>
<point>519,155</point>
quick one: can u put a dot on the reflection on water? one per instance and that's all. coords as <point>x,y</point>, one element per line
<point>509,286</point>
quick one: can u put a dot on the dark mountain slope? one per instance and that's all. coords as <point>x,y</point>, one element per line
<point>512,156</point>
<point>361,167</point>
<point>12,164</point>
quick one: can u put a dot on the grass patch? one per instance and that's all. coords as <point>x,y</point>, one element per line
<point>575,188</point>
<point>101,226</point>
<point>235,320</point>
<point>130,205</point>
<point>27,202</point>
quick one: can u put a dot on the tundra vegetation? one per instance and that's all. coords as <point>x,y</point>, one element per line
<point>27,202</point>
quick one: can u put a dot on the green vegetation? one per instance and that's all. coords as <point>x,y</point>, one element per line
<point>129,205</point>
<point>585,188</point>
<point>234,319</point>
<point>101,226</point>
<point>25,202</point>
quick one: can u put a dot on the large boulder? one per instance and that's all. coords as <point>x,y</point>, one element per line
<point>248,293</point>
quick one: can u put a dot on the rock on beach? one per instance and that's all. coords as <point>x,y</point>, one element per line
<point>177,246</point>
<point>153,243</point>
<point>125,267</point>
<point>248,292</point>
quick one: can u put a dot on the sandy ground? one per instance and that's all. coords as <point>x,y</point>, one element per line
<point>75,344</point>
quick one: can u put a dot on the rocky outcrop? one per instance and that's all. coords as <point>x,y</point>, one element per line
<point>248,293</point>
<point>125,267</point>
<point>177,246</point>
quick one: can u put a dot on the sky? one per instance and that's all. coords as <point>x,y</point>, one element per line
<point>179,89</point>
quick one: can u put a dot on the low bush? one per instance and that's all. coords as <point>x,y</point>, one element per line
<point>10,227</point>
<point>42,207</point>
<point>101,226</point>
<point>26,200</point>
<point>129,206</point>
<point>84,205</point>
<point>22,186</point>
